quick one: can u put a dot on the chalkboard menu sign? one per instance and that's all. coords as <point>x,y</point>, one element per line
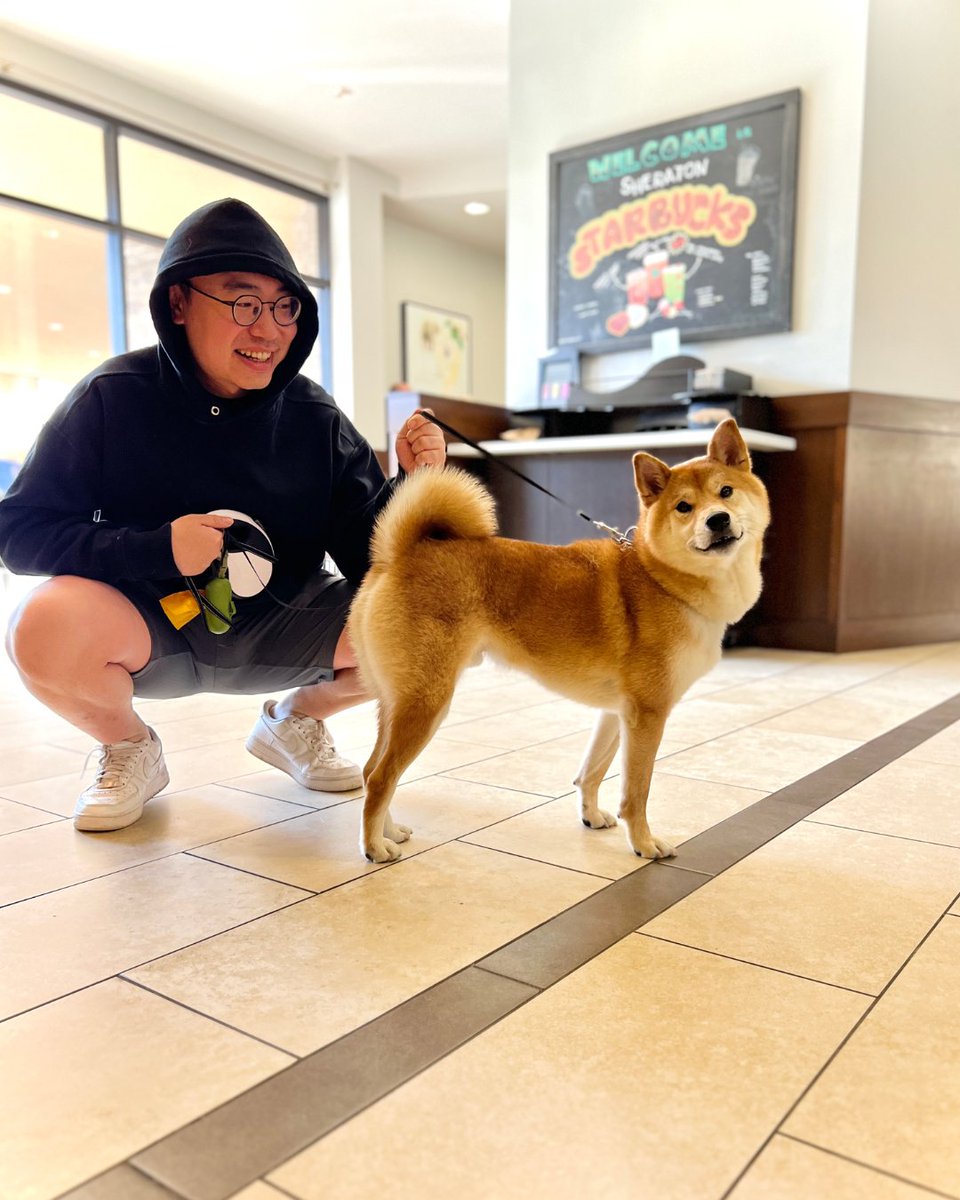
<point>688,224</point>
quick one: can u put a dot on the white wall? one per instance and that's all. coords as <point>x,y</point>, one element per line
<point>356,282</point>
<point>580,73</point>
<point>428,268</point>
<point>908,260</point>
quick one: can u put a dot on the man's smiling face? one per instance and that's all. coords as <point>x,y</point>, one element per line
<point>232,359</point>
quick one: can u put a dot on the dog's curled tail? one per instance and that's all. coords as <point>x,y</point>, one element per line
<point>435,503</point>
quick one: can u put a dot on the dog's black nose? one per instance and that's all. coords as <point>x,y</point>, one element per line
<point>718,522</point>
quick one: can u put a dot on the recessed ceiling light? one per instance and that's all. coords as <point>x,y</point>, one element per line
<point>476,208</point>
<point>5,289</point>
<point>55,327</point>
<point>52,234</point>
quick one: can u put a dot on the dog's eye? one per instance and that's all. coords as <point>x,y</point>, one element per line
<point>684,507</point>
<point>725,492</point>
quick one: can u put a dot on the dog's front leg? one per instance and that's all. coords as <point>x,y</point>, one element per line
<point>598,757</point>
<point>641,731</point>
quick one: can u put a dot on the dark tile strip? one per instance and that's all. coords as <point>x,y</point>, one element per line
<point>568,940</point>
<point>252,1134</point>
<point>235,1144</point>
<point>121,1183</point>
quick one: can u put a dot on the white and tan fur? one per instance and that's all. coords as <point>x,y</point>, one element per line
<point>625,629</point>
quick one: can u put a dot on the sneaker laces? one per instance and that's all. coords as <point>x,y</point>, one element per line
<point>315,733</point>
<point>114,764</point>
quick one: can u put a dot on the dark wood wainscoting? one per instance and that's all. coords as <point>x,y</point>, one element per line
<point>864,549</point>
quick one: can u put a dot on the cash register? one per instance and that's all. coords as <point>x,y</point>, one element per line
<point>678,392</point>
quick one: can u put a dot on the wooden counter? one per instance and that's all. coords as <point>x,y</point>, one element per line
<point>864,549</point>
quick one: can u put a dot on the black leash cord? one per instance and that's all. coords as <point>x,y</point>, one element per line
<point>506,466</point>
<point>622,538</point>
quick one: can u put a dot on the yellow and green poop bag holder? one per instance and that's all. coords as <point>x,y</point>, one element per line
<point>216,599</point>
<point>222,607</point>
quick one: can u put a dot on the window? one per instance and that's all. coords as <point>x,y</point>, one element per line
<point>140,260</point>
<point>189,182</point>
<point>54,313</point>
<point>48,155</point>
<point>75,277</point>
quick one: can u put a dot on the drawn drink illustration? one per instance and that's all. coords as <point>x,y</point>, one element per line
<point>654,264</point>
<point>674,282</point>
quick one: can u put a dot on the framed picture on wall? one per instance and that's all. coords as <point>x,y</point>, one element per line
<point>688,225</point>
<point>437,350</point>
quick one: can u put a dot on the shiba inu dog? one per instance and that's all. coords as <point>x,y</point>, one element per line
<point>623,627</point>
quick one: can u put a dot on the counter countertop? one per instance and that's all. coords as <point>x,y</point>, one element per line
<point>667,439</point>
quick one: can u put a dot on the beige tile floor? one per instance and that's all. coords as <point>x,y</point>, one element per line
<point>788,1030</point>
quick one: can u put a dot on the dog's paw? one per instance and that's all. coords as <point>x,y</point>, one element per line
<point>383,851</point>
<point>654,847</point>
<point>397,833</point>
<point>598,819</point>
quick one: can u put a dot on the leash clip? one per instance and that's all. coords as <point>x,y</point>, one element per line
<point>622,539</point>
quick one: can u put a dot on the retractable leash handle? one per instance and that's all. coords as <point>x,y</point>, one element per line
<point>622,538</point>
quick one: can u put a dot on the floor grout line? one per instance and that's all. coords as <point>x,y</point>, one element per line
<point>867,1167</point>
<point>747,962</point>
<point>143,987</point>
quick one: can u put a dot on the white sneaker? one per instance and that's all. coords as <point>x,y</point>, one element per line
<point>128,774</point>
<point>304,749</point>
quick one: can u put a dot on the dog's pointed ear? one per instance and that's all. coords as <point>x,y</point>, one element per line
<point>651,476</point>
<point>728,447</point>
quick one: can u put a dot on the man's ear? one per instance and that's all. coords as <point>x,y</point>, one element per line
<point>651,476</point>
<point>177,304</point>
<point>728,447</point>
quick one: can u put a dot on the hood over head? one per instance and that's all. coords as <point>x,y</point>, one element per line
<point>228,235</point>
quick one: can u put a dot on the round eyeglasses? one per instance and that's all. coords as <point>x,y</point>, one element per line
<point>247,309</point>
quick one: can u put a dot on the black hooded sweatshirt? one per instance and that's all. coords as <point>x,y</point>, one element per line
<point>139,442</point>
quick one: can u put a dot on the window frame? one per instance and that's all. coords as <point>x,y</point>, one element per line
<point>116,230</point>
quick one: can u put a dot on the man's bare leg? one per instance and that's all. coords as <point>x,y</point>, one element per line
<point>75,643</point>
<point>288,737</point>
<point>322,700</point>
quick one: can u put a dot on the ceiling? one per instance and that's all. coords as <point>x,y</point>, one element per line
<point>417,90</point>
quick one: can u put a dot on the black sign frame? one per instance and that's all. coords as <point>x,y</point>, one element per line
<point>589,313</point>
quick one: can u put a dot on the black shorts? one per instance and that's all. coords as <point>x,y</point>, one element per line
<point>270,648</point>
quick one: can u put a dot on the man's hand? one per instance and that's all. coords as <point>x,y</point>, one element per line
<point>197,540</point>
<point>420,443</point>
